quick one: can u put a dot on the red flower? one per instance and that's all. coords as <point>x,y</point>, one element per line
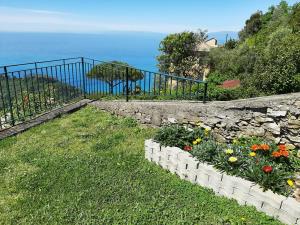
<point>267,169</point>
<point>187,148</point>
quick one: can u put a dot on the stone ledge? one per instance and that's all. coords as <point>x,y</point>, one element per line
<point>43,118</point>
<point>182,163</point>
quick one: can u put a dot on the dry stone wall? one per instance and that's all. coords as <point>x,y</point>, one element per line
<point>273,117</point>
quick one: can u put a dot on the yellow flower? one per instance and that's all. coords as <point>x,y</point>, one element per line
<point>252,154</point>
<point>229,151</point>
<point>235,141</point>
<point>199,124</point>
<point>290,183</point>
<point>232,159</point>
<point>198,140</point>
<point>195,142</point>
<point>206,131</point>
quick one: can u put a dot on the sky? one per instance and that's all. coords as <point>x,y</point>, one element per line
<point>94,16</point>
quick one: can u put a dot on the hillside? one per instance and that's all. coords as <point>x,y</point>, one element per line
<point>266,58</point>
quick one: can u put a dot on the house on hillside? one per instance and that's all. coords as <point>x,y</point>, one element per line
<point>207,45</point>
<point>203,49</point>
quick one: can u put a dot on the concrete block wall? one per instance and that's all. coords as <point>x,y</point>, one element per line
<point>182,163</point>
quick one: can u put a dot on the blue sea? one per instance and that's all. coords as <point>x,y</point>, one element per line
<point>139,49</point>
<point>136,48</point>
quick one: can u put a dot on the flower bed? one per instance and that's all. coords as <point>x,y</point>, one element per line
<point>269,169</point>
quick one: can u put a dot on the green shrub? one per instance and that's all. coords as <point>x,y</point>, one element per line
<point>246,157</point>
<point>178,136</point>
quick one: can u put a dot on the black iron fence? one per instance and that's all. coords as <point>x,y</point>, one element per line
<point>30,89</point>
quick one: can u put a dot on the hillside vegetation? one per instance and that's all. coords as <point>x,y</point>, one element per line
<point>266,58</point>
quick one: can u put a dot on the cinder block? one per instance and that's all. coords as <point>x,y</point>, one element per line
<point>291,206</point>
<point>270,210</point>
<point>286,218</point>
<point>254,201</point>
<point>183,155</point>
<point>268,197</point>
<point>173,168</point>
<point>226,192</point>
<point>175,150</point>
<point>152,144</point>
<point>214,179</point>
<point>148,155</point>
<point>240,195</point>
<point>202,178</point>
<point>192,177</point>
<point>214,184</point>
<point>156,157</point>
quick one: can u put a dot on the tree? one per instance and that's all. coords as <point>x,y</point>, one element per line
<point>231,44</point>
<point>295,18</point>
<point>252,26</point>
<point>179,53</point>
<point>114,73</point>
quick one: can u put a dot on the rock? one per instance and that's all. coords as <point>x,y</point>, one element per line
<point>219,138</point>
<point>221,125</point>
<point>243,123</point>
<point>261,119</point>
<point>294,124</point>
<point>276,113</point>
<point>172,120</point>
<point>297,103</point>
<point>212,121</point>
<point>294,138</point>
<point>254,131</point>
<point>272,127</point>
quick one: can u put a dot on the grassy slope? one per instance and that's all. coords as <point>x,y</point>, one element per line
<point>89,168</point>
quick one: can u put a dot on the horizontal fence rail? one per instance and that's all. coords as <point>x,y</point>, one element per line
<point>30,89</point>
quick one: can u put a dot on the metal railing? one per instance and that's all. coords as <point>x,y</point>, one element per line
<point>30,89</point>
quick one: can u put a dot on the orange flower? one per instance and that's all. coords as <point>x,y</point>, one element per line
<point>255,147</point>
<point>285,153</point>
<point>282,151</point>
<point>282,148</point>
<point>276,154</point>
<point>265,147</point>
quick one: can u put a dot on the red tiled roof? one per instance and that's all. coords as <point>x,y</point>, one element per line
<point>231,84</point>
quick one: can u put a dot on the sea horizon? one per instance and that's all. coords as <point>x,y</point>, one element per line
<point>136,48</point>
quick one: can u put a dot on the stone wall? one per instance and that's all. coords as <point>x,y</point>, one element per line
<point>274,117</point>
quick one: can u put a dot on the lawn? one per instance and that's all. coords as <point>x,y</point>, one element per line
<point>89,168</point>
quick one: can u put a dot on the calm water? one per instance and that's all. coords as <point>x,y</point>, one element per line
<point>137,49</point>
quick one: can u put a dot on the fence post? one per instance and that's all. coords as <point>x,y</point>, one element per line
<point>127,83</point>
<point>205,92</point>
<point>83,77</point>
<point>9,97</point>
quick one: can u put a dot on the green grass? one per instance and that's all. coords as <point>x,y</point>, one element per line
<point>89,168</point>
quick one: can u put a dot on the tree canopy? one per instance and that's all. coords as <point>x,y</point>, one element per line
<point>179,54</point>
<point>114,73</point>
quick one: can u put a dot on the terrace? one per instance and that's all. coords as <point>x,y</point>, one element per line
<point>90,167</point>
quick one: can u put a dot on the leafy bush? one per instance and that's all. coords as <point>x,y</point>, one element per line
<point>179,136</point>
<point>263,162</point>
<point>266,59</point>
